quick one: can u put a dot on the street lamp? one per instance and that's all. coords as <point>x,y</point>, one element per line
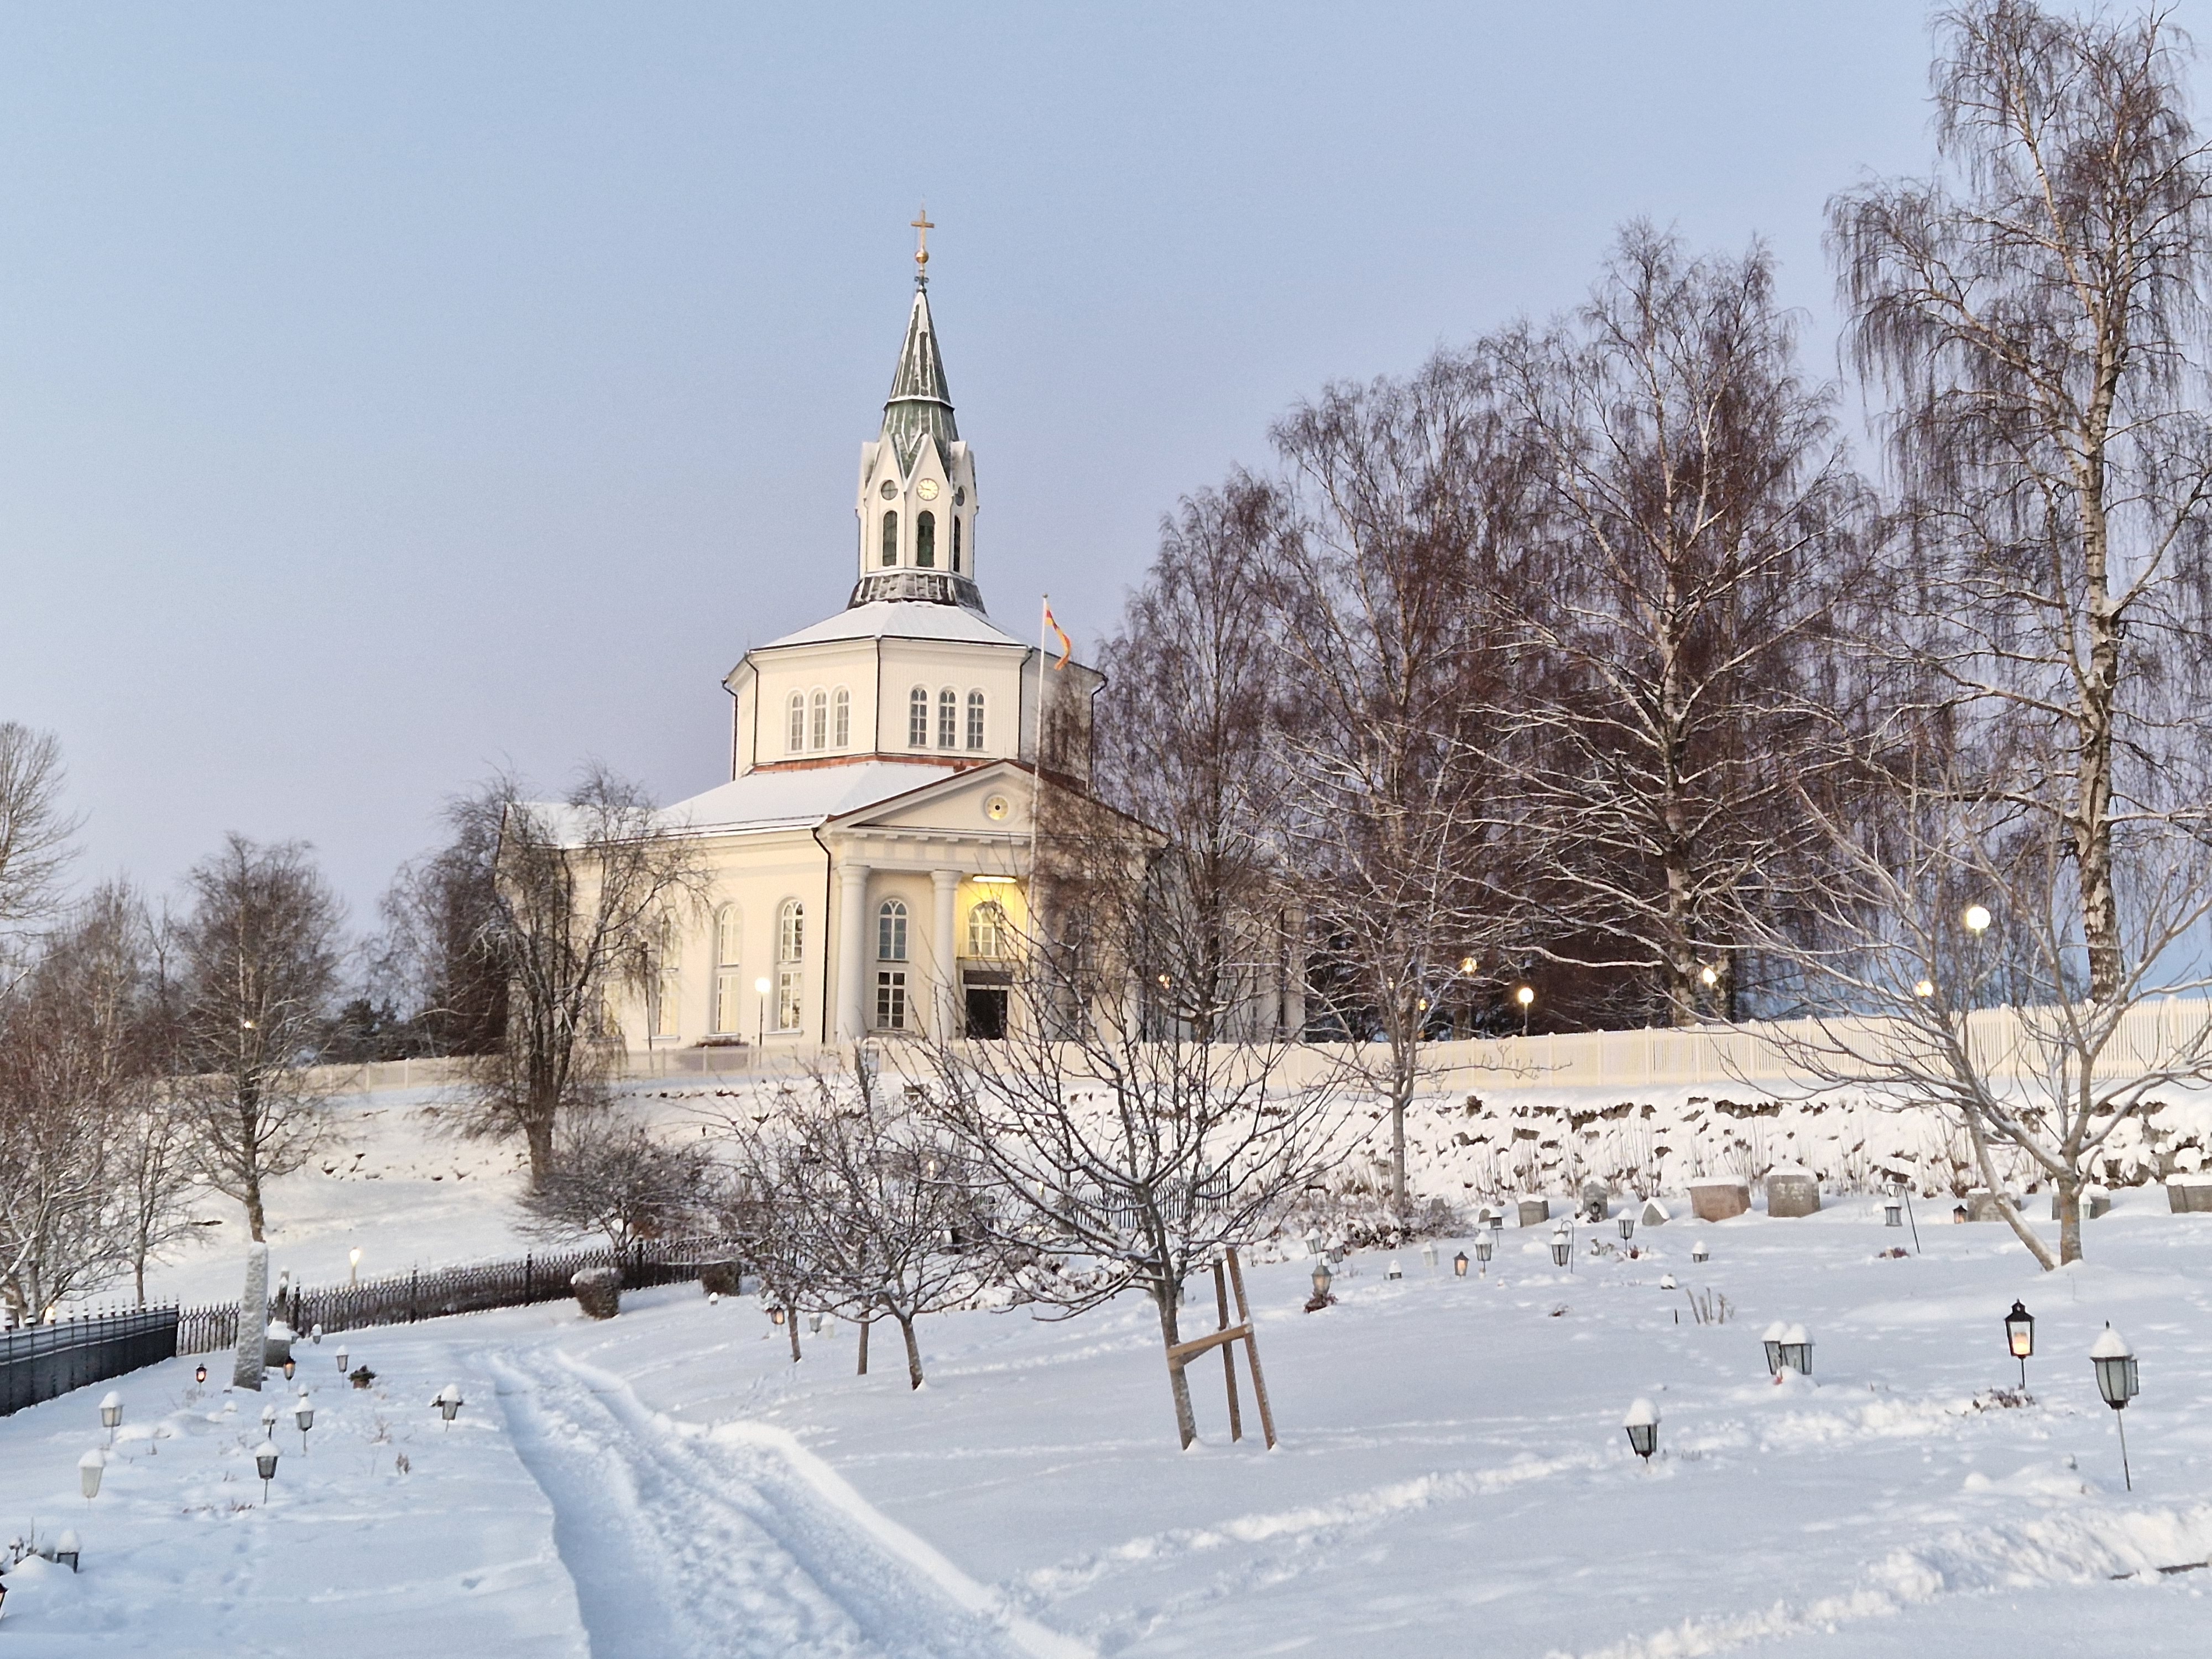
<point>1796,1351</point>
<point>761,988</point>
<point>111,1414</point>
<point>2115,1363</point>
<point>449,1402</point>
<point>1524,994</point>
<point>90,1468</point>
<point>1643,1426</point>
<point>265,1460</point>
<point>1978,920</point>
<point>1924,988</point>
<point>353,1266</point>
<point>2020,1339</point>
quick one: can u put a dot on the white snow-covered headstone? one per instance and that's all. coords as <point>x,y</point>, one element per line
<point>252,1320</point>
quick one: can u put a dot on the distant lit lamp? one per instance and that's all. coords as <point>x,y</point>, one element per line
<point>1322,1278</point>
<point>353,1266</point>
<point>1458,1262</point>
<point>1708,976</point>
<point>291,1366</point>
<point>1924,989</point>
<point>2115,1363</point>
<point>1525,995</point>
<point>1643,1426</point>
<point>1978,920</point>
<point>761,988</point>
<point>2020,1338</point>
<point>199,1375</point>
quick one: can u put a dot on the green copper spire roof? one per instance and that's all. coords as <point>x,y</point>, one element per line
<point>921,404</point>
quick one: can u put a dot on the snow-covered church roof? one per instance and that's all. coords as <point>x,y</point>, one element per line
<point>902,619</point>
<point>798,799</point>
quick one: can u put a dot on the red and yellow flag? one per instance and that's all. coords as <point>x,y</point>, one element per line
<point>1053,628</point>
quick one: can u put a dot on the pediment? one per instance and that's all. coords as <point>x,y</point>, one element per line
<point>991,800</point>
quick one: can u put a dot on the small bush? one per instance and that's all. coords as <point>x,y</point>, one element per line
<point>599,1291</point>
<point>720,1279</point>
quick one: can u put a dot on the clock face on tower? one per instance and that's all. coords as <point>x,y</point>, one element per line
<point>927,490</point>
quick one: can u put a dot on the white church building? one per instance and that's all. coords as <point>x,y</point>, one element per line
<point>867,864</point>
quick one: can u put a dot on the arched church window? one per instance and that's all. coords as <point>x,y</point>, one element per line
<point>957,567</point>
<point>790,947</point>
<point>948,718</point>
<point>917,717</point>
<point>729,979</point>
<point>974,719</point>
<point>891,931</point>
<point>795,736</point>
<point>818,737</point>
<point>890,539</point>
<point>987,931</point>
<point>925,541</point>
<point>841,717</point>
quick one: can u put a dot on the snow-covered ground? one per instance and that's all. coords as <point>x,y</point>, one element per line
<point>1453,1478</point>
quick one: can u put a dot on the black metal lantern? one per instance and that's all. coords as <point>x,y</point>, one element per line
<point>290,1367</point>
<point>1796,1351</point>
<point>1321,1279</point>
<point>341,1356</point>
<point>1627,1228</point>
<point>449,1402</point>
<point>2020,1338</point>
<point>1698,1252</point>
<point>1892,1212</point>
<point>1458,1262</point>
<point>1643,1426</point>
<point>69,1549</point>
<point>1771,1337</point>
<point>303,1415</point>
<point>2115,1363</point>
<point>1563,1246</point>
<point>199,1374</point>
<point>265,1460</point>
<point>111,1414</point>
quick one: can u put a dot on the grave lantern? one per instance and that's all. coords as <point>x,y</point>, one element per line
<point>2115,1364</point>
<point>814,1323</point>
<point>449,1402</point>
<point>1627,1228</point>
<point>2020,1337</point>
<point>1395,1270</point>
<point>1563,1246</point>
<point>1321,1279</point>
<point>775,1315</point>
<point>303,1414</point>
<point>1892,1212</point>
<point>1643,1426</point>
<point>111,1414</point>
<point>69,1548</point>
<point>199,1374</point>
<point>1771,1337</point>
<point>269,1415</point>
<point>1458,1262</point>
<point>90,1468</point>
<point>1485,1245</point>
<point>1429,1253</point>
<point>1796,1351</point>
<point>291,1366</point>
<point>1699,1252</point>
<point>315,1336</point>
<point>342,1356</point>
<point>264,1463</point>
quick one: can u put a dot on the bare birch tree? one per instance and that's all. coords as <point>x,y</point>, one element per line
<point>258,964</point>
<point>35,828</point>
<point>584,887</point>
<point>1410,505</point>
<point>1698,542</point>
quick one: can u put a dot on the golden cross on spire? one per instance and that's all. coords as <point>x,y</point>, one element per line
<point>922,228</point>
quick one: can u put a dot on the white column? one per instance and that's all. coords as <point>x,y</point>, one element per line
<point>945,886</point>
<point>851,952</point>
<point>1294,973</point>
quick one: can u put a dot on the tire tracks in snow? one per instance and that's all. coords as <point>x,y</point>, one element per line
<point>733,1543</point>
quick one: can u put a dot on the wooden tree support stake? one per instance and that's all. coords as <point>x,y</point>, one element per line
<point>1225,1339</point>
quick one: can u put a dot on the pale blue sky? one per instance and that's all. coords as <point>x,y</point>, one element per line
<point>390,392</point>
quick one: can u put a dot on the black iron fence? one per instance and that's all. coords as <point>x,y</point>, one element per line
<point>402,1298</point>
<point>40,1361</point>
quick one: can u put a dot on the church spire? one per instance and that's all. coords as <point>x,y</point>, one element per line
<point>917,500</point>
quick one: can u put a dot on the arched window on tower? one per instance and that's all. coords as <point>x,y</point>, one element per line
<point>729,978</point>
<point>841,717</point>
<point>925,542</point>
<point>917,718</point>
<point>890,539</point>
<point>974,719</point>
<point>958,567</point>
<point>794,734</point>
<point>818,737</point>
<point>948,718</point>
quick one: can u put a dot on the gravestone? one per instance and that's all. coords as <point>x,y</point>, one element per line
<point>1982,1204</point>
<point>1718,1199</point>
<point>2189,1194</point>
<point>1654,1214</point>
<point>1534,1211</point>
<point>1791,1191</point>
<point>2095,1202</point>
<point>1596,1200</point>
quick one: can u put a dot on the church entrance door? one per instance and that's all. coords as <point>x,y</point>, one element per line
<point>986,1012</point>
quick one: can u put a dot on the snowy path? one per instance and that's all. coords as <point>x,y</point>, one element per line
<point>734,1543</point>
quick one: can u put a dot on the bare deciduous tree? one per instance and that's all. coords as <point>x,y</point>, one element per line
<point>1697,537</point>
<point>34,827</point>
<point>613,1176</point>
<point>258,962</point>
<point>584,887</point>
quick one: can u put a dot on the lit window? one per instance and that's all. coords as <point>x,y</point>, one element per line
<point>948,718</point>
<point>891,539</point>
<point>925,541</point>
<point>917,717</point>
<point>729,981</point>
<point>841,717</point>
<point>957,566</point>
<point>974,719</point>
<point>891,932</point>
<point>891,1001</point>
<point>794,736</point>
<point>787,999</point>
<point>987,930</point>
<point>819,737</point>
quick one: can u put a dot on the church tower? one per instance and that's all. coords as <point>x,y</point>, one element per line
<point>917,503</point>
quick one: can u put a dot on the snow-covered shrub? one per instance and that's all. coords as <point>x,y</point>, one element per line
<point>599,1291</point>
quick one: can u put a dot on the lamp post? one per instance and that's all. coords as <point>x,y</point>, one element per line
<point>353,1266</point>
<point>264,1463</point>
<point>761,988</point>
<point>1643,1426</point>
<point>2020,1339</point>
<point>1525,995</point>
<point>2115,1363</point>
<point>111,1414</point>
